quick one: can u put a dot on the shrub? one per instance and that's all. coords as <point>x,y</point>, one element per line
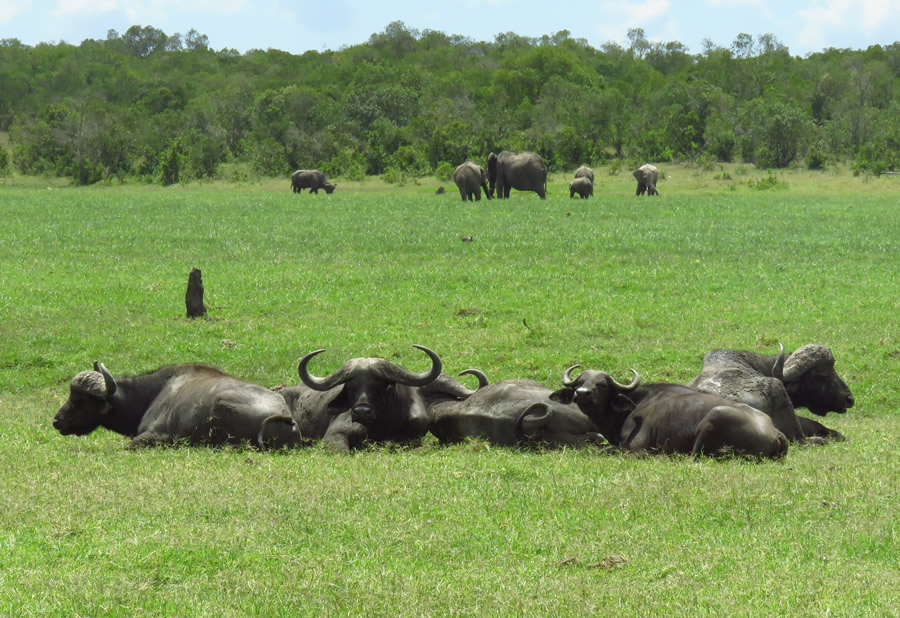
<point>444,171</point>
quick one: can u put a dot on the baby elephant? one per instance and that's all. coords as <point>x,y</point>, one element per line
<point>582,186</point>
<point>647,176</point>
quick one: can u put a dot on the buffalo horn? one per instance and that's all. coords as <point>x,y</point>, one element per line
<point>567,376</point>
<point>627,389</point>
<point>778,368</point>
<point>395,373</point>
<point>536,420</point>
<point>110,381</point>
<point>482,379</point>
<point>804,359</point>
<point>315,383</point>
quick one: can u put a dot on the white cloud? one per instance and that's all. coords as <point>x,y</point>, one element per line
<point>147,8</point>
<point>69,8</point>
<point>760,4</point>
<point>823,21</point>
<point>875,12</point>
<point>618,17</point>
<point>10,8</point>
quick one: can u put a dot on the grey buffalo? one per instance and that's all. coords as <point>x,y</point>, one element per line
<point>312,180</point>
<point>778,385</point>
<point>647,176</point>
<point>672,418</point>
<point>513,412</point>
<point>194,403</point>
<point>365,399</point>
<point>471,178</point>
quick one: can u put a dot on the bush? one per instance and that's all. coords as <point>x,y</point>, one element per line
<point>769,182</point>
<point>816,158</point>
<point>347,164</point>
<point>4,162</point>
<point>444,171</point>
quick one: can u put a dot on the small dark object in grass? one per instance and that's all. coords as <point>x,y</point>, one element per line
<point>193,299</point>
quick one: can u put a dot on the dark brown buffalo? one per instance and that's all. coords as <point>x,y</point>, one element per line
<point>513,412</point>
<point>366,399</point>
<point>198,404</point>
<point>777,385</point>
<point>312,180</point>
<point>671,418</point>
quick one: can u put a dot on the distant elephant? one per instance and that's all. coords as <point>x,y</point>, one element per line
<point>471,179</point>
<point>523,171</point>
<point>582,186</point>
<point>585,172</point>
<point>647,176</point>
<point>312,180</point>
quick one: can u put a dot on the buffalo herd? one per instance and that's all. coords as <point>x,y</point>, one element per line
<point>740,403</point>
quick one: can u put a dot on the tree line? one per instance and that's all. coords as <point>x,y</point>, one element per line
<point>407,103</point>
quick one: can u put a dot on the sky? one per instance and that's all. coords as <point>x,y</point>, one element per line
<point>296,26</point>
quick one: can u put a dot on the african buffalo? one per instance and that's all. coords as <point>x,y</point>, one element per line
<point>672,418</point>
<point>367,398</point>
<point>777,385</point>
<point>198,404</point>
<point>312,180</point>
<point>513,412</point>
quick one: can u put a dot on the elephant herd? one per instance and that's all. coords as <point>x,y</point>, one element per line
<point>740,403</point>
<point>522,171</point>
<point>527,171</point>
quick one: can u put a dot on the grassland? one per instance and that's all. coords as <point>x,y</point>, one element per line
<point>613,282</point>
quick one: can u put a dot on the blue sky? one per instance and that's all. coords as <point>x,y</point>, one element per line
<point>296,26</point>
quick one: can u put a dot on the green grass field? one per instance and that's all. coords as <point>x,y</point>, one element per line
<point>99,273</point>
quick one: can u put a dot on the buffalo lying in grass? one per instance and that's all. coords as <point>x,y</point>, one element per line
<point>513,412</point>
<point>777,385</point>
<point>366,399</point>
<point>195,403</point>
<point>671,418</point>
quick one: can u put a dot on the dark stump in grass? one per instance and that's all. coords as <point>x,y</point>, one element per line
<point>193,299</point>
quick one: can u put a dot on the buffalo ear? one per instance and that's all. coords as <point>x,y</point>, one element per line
<point>621,404</point>
<point>563,395</point>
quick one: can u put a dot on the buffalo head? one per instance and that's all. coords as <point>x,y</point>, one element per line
<point>598,394</point>
<point>811,381</point>
<point>554,424</point>
<point>87,404</point>
<point>369,385</point>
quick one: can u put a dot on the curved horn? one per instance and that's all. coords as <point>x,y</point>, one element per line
<point>482,379</point>
<point>540,420</point>
<point>627,389</point>
<point>315,383</point>
<point>567,376</point>
<point>396,373</point>
<point>110,381</point>
<point>805,358</point>
<point>778,367</point>
<point>90,382</point>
